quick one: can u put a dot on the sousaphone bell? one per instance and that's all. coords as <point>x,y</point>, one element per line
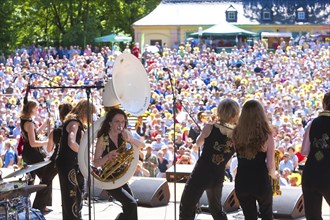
<point>130,88</point>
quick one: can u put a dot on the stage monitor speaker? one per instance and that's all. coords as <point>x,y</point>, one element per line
<point>289,205</point>
<point>150,192</point>
<point>229,200</point>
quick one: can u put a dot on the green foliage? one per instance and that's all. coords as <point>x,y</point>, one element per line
<point>67,22</point>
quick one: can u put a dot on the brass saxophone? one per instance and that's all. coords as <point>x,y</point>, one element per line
<point>115,169</point>
<point>276,182</point>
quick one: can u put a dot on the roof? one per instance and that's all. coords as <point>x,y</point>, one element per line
<point>209,13</point>
<point>198,12</point>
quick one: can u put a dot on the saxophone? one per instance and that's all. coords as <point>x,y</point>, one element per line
<point>276,182</point>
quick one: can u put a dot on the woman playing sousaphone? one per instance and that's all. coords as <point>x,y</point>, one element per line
<point>111,136</point>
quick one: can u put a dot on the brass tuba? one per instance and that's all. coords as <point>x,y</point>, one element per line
<point>129,87</point>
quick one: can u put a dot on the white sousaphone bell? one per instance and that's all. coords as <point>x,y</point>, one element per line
<point>129,87</point>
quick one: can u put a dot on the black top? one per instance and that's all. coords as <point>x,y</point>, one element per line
<point>317,168</point>
<point>252,175</point>
<point>217,151</point>
<point>66,155</point>
<point>30,155</point>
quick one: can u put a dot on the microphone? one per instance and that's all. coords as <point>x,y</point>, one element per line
<point>167,69</point>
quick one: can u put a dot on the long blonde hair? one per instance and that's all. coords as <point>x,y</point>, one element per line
<point>252,130</point>
<point>80,111</point>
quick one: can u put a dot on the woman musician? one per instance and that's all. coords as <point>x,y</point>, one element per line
<point>111,136</point>
<point>31,154</point>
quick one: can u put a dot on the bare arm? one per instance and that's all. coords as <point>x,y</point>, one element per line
<point>99,148</point>
<point>270,156</point>
<point>306,144</point>
<point>50,144</point>
<point>204,134</point>
<point>29,128</point>
<point>129,137</point>
<point>72,130</point>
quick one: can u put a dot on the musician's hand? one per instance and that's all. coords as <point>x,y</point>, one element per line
<point>112,155</point>
<point>127,135</point>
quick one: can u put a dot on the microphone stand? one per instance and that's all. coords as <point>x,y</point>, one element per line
<point>199,128</point>
<point>88,91</point>
<point>175,150</point>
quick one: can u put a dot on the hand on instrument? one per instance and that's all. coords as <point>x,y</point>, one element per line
<point>127,135</point>
<point>112,155</point>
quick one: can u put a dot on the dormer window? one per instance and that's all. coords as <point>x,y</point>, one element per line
<point>231,14</point>
<point>301,14</point>
<point>266,14</point>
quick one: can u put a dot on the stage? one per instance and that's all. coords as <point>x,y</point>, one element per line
<point>103,209</point>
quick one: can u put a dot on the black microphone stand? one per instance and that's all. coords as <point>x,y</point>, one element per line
<point>88,91</point>
<point>174,125</point>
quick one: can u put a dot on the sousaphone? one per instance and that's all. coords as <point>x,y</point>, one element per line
<point>130,88</point>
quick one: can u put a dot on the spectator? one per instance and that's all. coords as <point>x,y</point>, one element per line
<point>150,161</point>
<point>286,163</point>
<point>163,164</point>
<point>10,157</point>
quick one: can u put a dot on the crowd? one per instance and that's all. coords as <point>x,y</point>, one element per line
<point>290,83</point>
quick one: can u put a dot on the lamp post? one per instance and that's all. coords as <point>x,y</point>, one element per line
<point>200,33</point>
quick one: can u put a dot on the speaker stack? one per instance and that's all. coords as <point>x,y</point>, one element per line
<point>290,205</point>
<point>150,192</point>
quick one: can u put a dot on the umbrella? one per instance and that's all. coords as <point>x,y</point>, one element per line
<point>113,38</point>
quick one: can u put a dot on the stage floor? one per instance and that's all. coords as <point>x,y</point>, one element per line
<point>109,210</point>
<point>103,209</point>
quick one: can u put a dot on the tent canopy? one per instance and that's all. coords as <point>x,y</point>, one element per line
<point>113,38</point>
<point>224,29</point>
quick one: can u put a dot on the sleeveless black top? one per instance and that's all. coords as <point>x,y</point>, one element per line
<point>111,146</point>
<point>317,168</point>
<point>252,175</point>
<point>217,151</point>
<point>65,154</point>
<point>30,154</point>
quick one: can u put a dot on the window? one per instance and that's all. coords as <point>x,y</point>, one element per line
<point>301,15</point>
<point>266,15</point>
<point>231,14</point>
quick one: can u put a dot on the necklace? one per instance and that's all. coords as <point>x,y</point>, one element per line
<point>325,113</point>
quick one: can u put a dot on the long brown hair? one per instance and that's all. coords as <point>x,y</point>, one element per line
<point>80,111</point>
<point>27,108</point>
<point>252,130</point>
<point>108,118</point>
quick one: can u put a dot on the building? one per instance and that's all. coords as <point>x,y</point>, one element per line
<point>172,21</point>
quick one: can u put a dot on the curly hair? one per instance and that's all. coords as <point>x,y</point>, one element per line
<point>105,127</point>
<point>252,130</point>
<point>80,111</point>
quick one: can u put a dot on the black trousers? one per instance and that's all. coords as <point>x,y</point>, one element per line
<point>72,186</point>
<point>44,196</point>
<point>313,201</point>
<point>192,194</point>
<point>248,202</point>
<point>125,196</point>
<point>46,175</point>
